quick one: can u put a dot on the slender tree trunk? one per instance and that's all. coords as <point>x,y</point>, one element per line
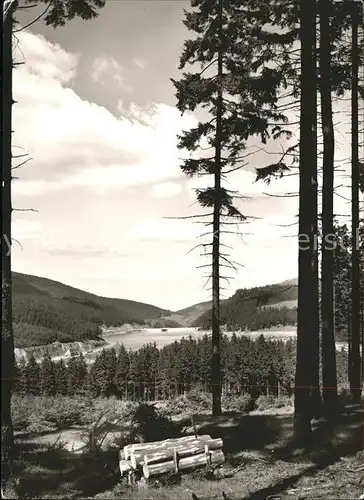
<point>329,381</point>
<point>307,284</point>
<point>349,350</point>
<point>362,332</point>
<point>7,339</point>
<point>354,376</point>
<point>315,332</point>
<point>215,323</point>
<point>362,313</point>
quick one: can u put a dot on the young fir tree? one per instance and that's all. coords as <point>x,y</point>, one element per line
<point>82,372</point>
<point>205,362</point>
<point>72,375</point>
<point>121,371</point>
<point>111,361</point>
<point>47,376</point>
<point>102,374</point>
<point>162,382</point>
<point>147,368</point>
<point>60,374</point>
<point>233,360</point>
<point>236,101</point>
<point>32,375</point>
<point>92,385</point>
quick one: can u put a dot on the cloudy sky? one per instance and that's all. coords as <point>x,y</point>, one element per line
<point>96,112</point>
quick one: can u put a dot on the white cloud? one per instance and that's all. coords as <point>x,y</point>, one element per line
<point>45,59</point>
<point>33,188</point>
<point>106,70</point>
<point>25,229</point>
<point>152,228</point>
<point>166,189</point>
<point>138,62</point>
<point>78,143</point>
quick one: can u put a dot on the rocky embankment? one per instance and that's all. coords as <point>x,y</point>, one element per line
<point>126,328</point>
<point>58,351</point>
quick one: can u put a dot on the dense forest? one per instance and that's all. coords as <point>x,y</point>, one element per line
<point>247,308</point>
<point>252,366</point>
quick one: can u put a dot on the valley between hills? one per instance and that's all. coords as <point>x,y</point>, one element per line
<point>46,311</point>
<point>51,315</point>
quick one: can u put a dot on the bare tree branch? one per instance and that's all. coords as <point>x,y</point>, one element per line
<point>21,164</point>
<point>189,216</point>
<point>35,20</point>
<point>25,210</point>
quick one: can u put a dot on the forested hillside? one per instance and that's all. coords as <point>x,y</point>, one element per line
<point>257,308</point>
<point>46,311</point>
<point>189,315</point>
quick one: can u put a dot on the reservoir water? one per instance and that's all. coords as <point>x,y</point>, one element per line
<point>134,339</point>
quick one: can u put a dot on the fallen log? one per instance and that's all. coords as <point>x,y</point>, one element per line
<point>136,447</point>
<point>186,449</point>
<point>192,462</point>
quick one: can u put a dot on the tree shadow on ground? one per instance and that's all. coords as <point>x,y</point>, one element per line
<point>42,470</point>
<point>343,436</point>
<point>241,432</point>
<point>273,433</point>
<point>288,482</point>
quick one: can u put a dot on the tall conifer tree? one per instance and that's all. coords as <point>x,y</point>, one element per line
<point>232,89</point>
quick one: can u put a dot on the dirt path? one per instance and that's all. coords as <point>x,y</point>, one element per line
<point>70,439</point>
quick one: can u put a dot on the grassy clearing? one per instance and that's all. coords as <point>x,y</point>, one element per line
<point>41,414</point>
<point>52,472</point>
<point>260,479</point>
<point>257,443</point>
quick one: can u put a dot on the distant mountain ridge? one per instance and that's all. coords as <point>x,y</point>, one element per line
<point>278,295</point>
<point>189,315</point>
<point>257,308</point>
<point>46,311</point>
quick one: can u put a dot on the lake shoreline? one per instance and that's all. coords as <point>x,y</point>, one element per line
<point>133,339</point>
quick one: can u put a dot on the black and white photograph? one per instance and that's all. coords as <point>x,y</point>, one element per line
<point>182,249</point>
